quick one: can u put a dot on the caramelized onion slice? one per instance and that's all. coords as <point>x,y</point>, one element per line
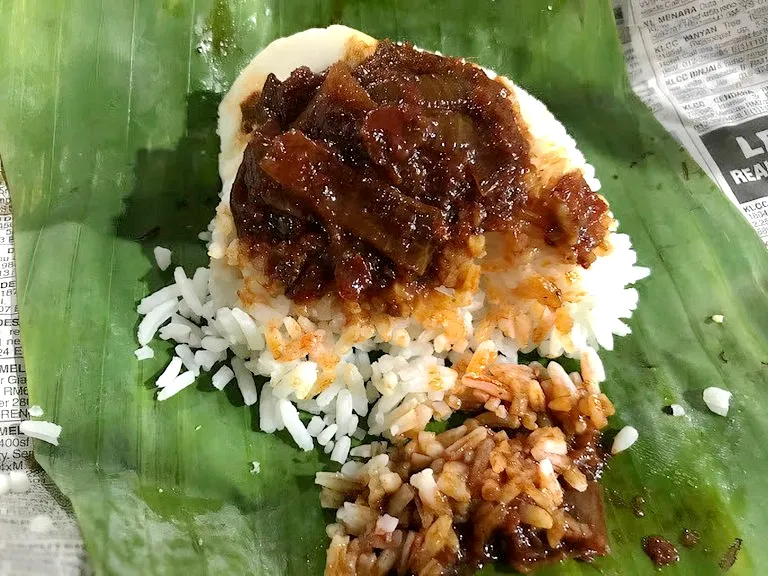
<point>403,229</point>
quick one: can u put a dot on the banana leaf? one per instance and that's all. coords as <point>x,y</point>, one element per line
<point>107,134</point>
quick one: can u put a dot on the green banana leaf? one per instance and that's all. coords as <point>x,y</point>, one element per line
<point>107,134</point>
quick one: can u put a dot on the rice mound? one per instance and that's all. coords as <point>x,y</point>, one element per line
<point>316,357</point>
<point>595,300</point>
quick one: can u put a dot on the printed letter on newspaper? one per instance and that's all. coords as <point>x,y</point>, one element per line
<point>702,67</point>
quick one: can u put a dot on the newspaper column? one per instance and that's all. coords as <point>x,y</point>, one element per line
<point>702,67</point>
<point>38,532</point>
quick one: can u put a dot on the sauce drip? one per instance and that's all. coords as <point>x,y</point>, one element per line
<point>690,538</point>
<point>661,551</point>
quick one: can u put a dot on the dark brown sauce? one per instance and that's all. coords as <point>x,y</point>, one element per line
<point>661,552</point>
<point>358,180</point>
<point>492,531</point>
<point>587,454</point>
<point>495,532</point>
<point>690,538</point>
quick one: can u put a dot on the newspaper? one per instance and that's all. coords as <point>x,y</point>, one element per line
<point>702,68</point>
<point>700,65</point>
<point>38,532</point>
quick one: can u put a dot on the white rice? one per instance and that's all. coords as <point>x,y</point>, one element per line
<point>329,394</point>
<point>353,380</point>
<point>592,369</point>
<point>35,411</point>
<point>677,410</point>
<point>195,335</point>
<point>42,430</point>
<point>298,380</point>
<point>144,353</point>
<point>351,469</point>
<point>717,400</point>
<point>245,382</point>
<point>188,293</point>
<point>175,331</point>
<point>343,412</point>
<point>154,319</point>
<point>152,301</point>
<point>341,450</point>
<point>205,359</point>
<point>424,482</point>
<point>19,481</point>
<point>188,358</point>
<point>362,451</point>
<point>200,282</point>
<point>386,524</point>
<point>254,336</point>
<point>178,384</point>
<point>326,435</point>
<point>229,327</point>
<point>353,422</point>
<point>624,439</point>
<point>170,373</point>
<point>296,429</point>
<point>223,376</point>
<point>214,344</point>
<point>267,406</point>
<point>162,257</point>
<point>275,407</point>
<point>315,426</point>
<point>308,406</point>
<point>558,375</point>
